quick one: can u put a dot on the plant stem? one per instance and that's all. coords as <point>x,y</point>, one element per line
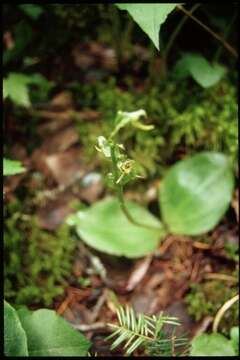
<point>227,32</point>
<point>116,32</point>
<point>218,37</point>
<point>119,191</point>
<point>177,30</point>
<point>222,311</point>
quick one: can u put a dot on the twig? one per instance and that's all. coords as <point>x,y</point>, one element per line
<point>218,37</point>
<point>90,327</point>
<point>98,306</point>
<point>223,277</point>
<point>219,51</point>
<point>222,311</point>
<point>65,304</point>
<point>201,245</point>
<point>204,325</point>
<point>177,30</point>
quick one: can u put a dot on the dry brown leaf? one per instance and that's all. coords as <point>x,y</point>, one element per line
<point>138,272</point>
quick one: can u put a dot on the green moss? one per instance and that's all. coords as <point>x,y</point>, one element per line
<point>187,119</point>
<point>37,263</point>
<point>207,298</point>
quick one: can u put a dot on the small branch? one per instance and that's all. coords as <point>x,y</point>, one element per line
<point>219,51</point>
<point>218,37</point>
<point>222,311</point>
<point>218,276</point>
<point>90,327</point>
<point>177,30</point>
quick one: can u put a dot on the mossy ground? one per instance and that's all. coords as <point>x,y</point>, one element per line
<point>37,263</point>
<point>184,122</point>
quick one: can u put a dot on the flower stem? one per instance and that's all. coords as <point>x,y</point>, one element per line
<point>119,192</point>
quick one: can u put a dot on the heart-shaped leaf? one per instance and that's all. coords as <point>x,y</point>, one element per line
<point>211,345</point>
<point>204,73</point>
<point>15,340</point>
<point>196,193</point>
<point>50,335</point>
<point>105,227</point>
<point>149,17</point>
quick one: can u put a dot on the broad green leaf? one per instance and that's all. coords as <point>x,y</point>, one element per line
<point>105,227</point>
<point>196,192</point>
<point>211,345</point>
<point>32,10</point>
<point>15,87</point>
<point>50,335</point>
<point>15,340</point>
<point>149,17</point>
<point>234,334</point>
<point>12,167</point>
<point>204,73</point>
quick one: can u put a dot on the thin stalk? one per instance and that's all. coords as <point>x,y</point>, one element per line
<point>116,34</point>
<point>177,30</point>
<point>119,191</point>
<point>222,311</point>
<point>218,37</point>
<point>227,32</point>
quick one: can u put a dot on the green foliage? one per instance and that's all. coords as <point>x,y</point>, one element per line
<point>196,192</point>
<point>31,10</point>
<point>40,333</point>
<point>12,167</point>
<point>50,335</point>
<point>23,35</point>
<point>206,120</point>
<point>234,335</point>
<point>140,330</point>
<point>36,263</point>
<point>77,17</point>
<point>204,73</point>
<point>194,195</point>
<point>232,251</point>
<point>15,340</point>
<point>149,17</point>
<point>16,87</point>
<point>206,299</point>
<point>212,345</point>
<point>105,227</point>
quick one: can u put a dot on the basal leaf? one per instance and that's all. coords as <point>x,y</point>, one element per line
<point>105,227</point>
<point>149,17</point>
<point>12,167</point>
<point>15,340</point>
<point>204,73</point>
<point>211,345</point>
<point>196,192</point>
<point>50,335</point>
